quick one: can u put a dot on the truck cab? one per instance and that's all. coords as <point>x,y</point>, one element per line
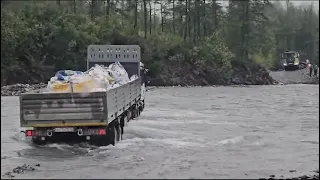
<point>290,60</point>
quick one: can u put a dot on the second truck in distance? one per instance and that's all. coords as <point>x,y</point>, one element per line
<point>291,60</point>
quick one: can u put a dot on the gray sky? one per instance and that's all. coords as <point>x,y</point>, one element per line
<point>315,3</point>
<point>295,2</point>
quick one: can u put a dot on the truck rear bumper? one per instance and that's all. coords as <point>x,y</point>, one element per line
<point>95,135</point>
<point>67,131</point>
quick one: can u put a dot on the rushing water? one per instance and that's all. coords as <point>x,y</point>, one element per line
<point>209,132</point>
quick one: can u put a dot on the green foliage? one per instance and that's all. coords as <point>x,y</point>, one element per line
<point>265,59</point>
<point>41,37</point>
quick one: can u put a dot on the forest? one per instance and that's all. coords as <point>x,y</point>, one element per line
<point>183,42</point>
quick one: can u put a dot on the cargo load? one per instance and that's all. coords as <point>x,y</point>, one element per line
<point>97,78</point>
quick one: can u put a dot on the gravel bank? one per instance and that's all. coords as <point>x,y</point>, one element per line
<point>27,168</point>
<point>17,89</point>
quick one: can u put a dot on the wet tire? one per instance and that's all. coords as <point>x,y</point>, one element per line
<point>113,134</point>
<point>139,111</point>
<point>129,115</point>
<point>123,123</point>
<point>143,105</point>
<point>102,140</point>
<point>38,141</point>
<point>140,108</point>
<point>134,113</point>
<point>99,141</point>
<point>119,133</point>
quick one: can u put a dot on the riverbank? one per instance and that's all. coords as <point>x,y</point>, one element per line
<point>191,75</point>
<point>17,89</point>
<point>188,76</point>
<point>294,77</point>
<point>20,170</point>
<point>197,77</point>
<point>313,175</point>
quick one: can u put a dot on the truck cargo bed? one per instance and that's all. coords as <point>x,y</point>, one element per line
<point>77,109</point>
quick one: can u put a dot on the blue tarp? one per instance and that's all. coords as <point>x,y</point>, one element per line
<point>63,75</point>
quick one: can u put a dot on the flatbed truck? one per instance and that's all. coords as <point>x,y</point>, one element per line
<point>96,117</point>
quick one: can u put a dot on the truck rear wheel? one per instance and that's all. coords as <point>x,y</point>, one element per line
<point>119,133</point>
<point>134,112</point>
<point>143,105</point>
<point>38,141</point>
<point>140,108</point>
<point>123,123</point>
<point>114,134</point>
<point>136,109</point>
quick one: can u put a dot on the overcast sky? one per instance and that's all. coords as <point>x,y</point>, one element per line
<point>295,2</point>
<point>315,3</point>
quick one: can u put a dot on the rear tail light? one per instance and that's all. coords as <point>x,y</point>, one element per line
<point>102,132</point>
<point>29,132</point>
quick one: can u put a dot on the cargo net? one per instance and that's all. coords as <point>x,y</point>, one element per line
<point>97,78</point>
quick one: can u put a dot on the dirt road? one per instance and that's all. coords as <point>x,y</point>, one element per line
<point>294,77</point>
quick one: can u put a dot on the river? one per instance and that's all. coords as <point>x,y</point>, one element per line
<point>198,132</point>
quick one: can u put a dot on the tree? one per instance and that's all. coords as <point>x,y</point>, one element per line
<point>179,38</point>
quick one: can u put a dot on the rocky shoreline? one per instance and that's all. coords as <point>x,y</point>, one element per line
<point>315,175</point>
<point>17,89</point>
<point>197,77</point>
<point>27,168</point>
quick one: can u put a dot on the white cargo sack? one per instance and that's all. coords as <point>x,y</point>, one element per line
<point>97,78</point>
<point>119,73</point>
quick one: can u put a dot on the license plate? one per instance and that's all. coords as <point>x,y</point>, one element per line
<point>63,129</point>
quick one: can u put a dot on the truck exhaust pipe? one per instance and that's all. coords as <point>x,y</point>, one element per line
<point>80,132</point>
<point>49,133</point>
